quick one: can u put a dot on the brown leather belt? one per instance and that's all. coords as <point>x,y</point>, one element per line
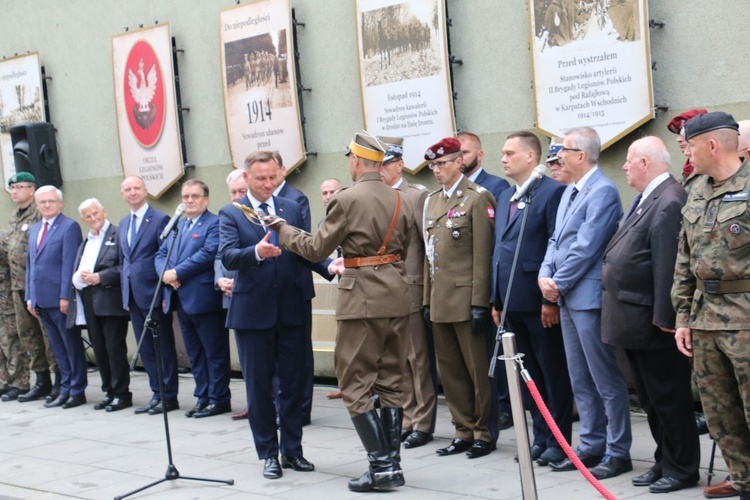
<point>717,287</point>
<point>372,261</point>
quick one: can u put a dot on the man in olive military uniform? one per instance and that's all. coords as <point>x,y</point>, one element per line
<point>370,221</point>
<point>14,364</point>
<point>420,374</point>
<point>15,245</point>
<point>711,289</point>
<point>459,223</point>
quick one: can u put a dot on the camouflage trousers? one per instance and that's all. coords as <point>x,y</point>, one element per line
<point>14,362</point>
<point>33,341</point>
<point>722,373</point>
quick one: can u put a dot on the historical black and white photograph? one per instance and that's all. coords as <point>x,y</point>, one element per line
<point>400,42</point>
<point>257,68</point>
<point>560,22</point>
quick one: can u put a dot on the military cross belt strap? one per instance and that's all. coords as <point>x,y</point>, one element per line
<point>382,257</point>
<point>717,287</point>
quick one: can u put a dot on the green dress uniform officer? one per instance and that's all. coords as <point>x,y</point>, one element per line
<point>459,224</point>
<point>420,374</point>
<point>15,245</point>
<point>711,290</point>
<point>370,221</point>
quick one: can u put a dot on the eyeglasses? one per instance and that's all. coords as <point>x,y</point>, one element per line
<point>571,149</point>
<point>439,165</point>
<point>192,197</point>
<point>47,202</point>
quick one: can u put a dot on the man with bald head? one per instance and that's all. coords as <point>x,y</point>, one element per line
<point>637,314</point>
<point>743,147</point>
<point>711,290</point>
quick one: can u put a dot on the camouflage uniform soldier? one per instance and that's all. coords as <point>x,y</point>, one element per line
<point>15,245</point>
<point>14,365</point>
<point>711,291</point>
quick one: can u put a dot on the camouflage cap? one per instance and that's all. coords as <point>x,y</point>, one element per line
<point>21,177</point>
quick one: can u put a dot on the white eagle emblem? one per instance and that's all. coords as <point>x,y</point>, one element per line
<point>143,88</point>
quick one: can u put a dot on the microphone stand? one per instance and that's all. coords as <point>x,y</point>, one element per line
<point>152,325</point>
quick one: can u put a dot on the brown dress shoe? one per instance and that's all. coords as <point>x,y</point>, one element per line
<point>722,490</point>
<point>240,415</point>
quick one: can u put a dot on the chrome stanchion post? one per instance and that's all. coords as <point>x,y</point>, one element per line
<point>525,465</point>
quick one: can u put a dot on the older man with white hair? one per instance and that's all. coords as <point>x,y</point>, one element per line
<point>53,242</point>
<point>96,303</point>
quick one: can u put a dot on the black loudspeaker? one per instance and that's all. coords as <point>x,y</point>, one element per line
<point>35,151</point>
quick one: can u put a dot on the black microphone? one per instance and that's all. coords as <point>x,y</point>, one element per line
<point>536,174</point>
<point>170,225</point>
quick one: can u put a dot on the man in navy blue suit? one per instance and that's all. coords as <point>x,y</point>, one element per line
<point>570,275</point>
<point>269,311</point>
<point>53,243</point>
<point>189,290</point>
<point>286,190</point>
<point>534,320</point>
<point>471,150</point>
<point>138,234</point>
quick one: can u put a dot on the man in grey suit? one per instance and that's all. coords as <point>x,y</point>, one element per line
<point>571,276</point>
<point>637,314</point>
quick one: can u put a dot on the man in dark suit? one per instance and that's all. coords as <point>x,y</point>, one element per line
<point>534,320</point>
<point>224,279</point>
<point>637,314</point>
<point>570,275</point>
<point>189,290</point>
<point>96,303</point>
<point>53,242</point>
<point>471,150</point>
<point>138,236</point>
<point>269,312</point>
<point>286,190</point>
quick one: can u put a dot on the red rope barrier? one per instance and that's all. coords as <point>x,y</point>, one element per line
<point>564,444</point>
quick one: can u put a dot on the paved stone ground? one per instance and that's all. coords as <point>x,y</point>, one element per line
<point>50,454</point>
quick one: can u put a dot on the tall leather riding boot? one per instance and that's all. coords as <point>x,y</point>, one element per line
<point>384,472</point>
<point>55,393</point>
<point>391,418</point>
<point>41,388</point>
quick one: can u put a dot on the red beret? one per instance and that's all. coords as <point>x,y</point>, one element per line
<point>447,146</point>
<point>675,125</point>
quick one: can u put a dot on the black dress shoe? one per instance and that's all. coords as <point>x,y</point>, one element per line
<point>300,464</point>
<point>669,484</point>
<point>59,401</point>
<point>567,464</point>
<point>148,407</point>
<point>119,404</point>
<point>700,423</point>
<point>272,469</point>
<point>405,434</point>
<point>195,409</point>
<point>551,455</point>
<point>214,409</point>
<point>456,446</point>
<point>536,451</point>
<point>74,401</point>
<point>417,439</point>
<point>480,448</point>
<point>611,467</point>
<point>646,479</point>
<point>506,420</point>
<point>103,403</point>
<point>53,395</point>
<point>11,395</point>
<point>164,406</point>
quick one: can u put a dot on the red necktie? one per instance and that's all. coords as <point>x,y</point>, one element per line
<point>44,234</point>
